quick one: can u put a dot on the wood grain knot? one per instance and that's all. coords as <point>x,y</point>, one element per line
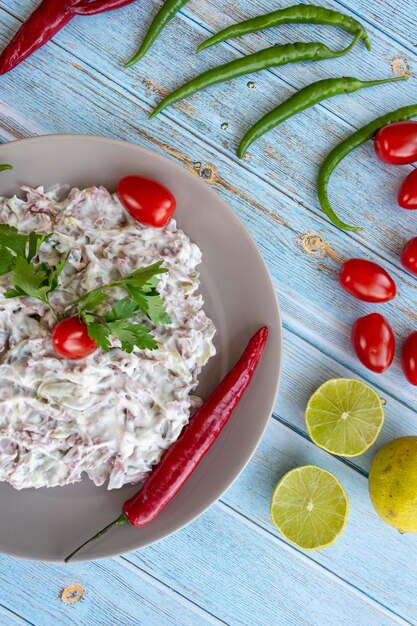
<point>400,67</point>
<point>316,246</point>
<point>313,244</point>
<point>207,172</point>
<point>72,593</point>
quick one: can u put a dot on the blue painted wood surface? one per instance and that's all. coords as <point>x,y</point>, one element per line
<point>231,566</point>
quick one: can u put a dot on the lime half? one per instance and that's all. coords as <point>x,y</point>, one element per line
<point>344,416</point>
<point>310,507</point>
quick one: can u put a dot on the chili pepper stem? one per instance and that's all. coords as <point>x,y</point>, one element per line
<point>120,521</point>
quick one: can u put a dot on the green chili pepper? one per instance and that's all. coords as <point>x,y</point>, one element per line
<point>297,14</point>
<point>345,147</point>
<point>303,99</point>
<point>270,57</point>
<point>5,166</point>
<point>168,10</point>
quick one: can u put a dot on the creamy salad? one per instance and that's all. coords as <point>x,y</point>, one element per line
<point>110,415</point>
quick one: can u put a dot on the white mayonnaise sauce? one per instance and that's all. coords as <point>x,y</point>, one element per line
<point>112,414</point>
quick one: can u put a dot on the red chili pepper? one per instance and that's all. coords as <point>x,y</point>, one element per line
<point>181,459</point>
<point>45,22</point>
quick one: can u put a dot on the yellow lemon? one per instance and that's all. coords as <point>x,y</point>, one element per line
<point>393,484</point>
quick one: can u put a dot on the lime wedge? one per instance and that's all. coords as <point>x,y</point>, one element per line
<point>310,507</point>
<point>344,416</point>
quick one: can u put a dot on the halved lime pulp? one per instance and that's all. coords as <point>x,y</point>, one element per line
<point>344,416</point>
<point>309,507</point>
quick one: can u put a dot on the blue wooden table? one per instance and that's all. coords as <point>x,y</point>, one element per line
<point>231,566</point>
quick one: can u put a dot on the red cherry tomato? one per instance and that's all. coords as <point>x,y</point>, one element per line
<point>146,200</point>
<point>409,256</point>
<point>70,339</point>
<point>374,342</point>
<point>397,143</point>
<point>409,358</point>
<point>367,281</point>
<point>407,196</point>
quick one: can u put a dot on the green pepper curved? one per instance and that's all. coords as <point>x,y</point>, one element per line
<point>270,57</point>
<point>297,14</point>
<point>5,166</point>
<point>303,99</point>
<point>168,10</point>
<point>345,147</point>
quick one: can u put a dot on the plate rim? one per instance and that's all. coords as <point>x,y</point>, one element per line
<point>240,225</point>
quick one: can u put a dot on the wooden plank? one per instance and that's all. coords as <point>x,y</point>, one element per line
<point>114,593</point>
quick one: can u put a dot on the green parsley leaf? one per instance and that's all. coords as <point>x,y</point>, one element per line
<point>156,310</point>
<point>121,310</point>
<point>35,241</point>
<point>6,260</point>
<point>139,296</point>
<point>152,305</point>
<point>30,279</point>
<point>11,239</point>
<point>14,293</point>
<point>93,300</point>
<point>132,335</point>
<point>99,332</point>
<point>144,275</point>
<point>56,273</point>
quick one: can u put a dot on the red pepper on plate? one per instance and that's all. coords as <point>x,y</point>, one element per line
<point>45,22</point>
<point>183,456</point>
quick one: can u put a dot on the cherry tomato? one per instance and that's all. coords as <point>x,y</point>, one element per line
<point>374,342</point>
<point>146,200</point>
<point>409,358</point>
<point>70,339</point>
<point>407,196</point>
<point>397,143</point>
<point>409,256</point>
<point>367,281</point>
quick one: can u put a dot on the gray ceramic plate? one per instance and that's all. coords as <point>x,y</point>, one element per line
<point>46,524</point>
